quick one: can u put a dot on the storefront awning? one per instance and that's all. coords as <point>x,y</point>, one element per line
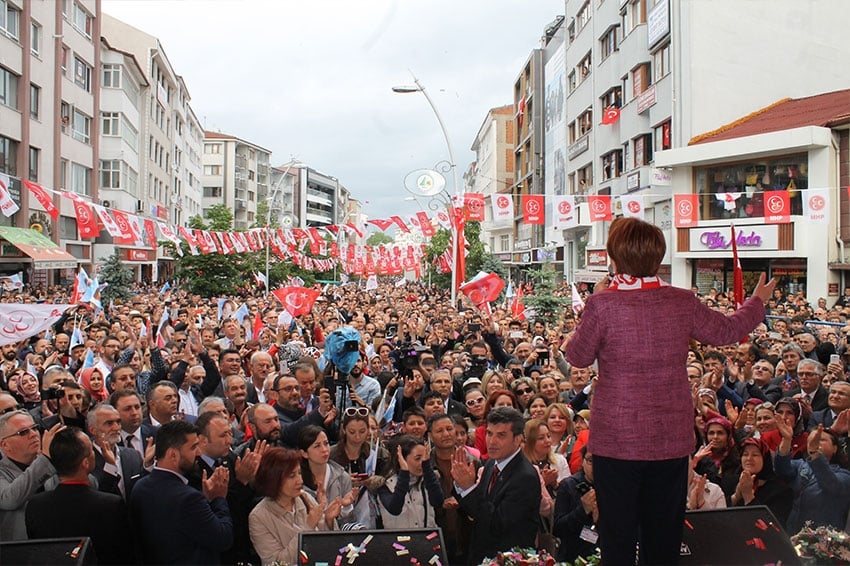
<point>43,251</point>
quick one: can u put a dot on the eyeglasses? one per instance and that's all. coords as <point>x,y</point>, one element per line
<point>524,391</point>
<point>10,409</point>
<point>23,433</point>
<point>766,405</point>
<point>588,459</point>
<point>358,411</point>
<point>286,388</point>
<point>471,402</point>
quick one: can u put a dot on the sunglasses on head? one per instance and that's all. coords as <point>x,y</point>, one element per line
<point>358,411</point>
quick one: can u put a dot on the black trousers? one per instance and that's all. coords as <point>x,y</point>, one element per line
<point>640,501</point>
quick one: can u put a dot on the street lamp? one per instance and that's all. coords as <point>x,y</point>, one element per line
<point>271,200</point>
<point>458,188</point>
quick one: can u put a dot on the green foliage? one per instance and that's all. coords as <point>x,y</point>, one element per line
<point>545,304</point>
<point>476,253</point>
<point>220,218</point>
<point>118,276</point>
<point>435,248</point>
<point>262,213</point>
<point>378,238</point>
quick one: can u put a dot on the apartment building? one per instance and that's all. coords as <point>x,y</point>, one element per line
<point>235,173</point>
<point>671,70</point>
<point>171,135</point>
<point>49,96</point>
<point>492,174</point>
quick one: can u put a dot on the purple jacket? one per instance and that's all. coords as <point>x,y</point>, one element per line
<point>642,407</point>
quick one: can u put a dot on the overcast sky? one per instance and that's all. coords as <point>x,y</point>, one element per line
<point>312,79</point>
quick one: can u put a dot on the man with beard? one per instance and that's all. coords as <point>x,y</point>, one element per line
<point>362,388</point>
<point>9,361</point>
<point>61,342</point>
<point>109,350</point>
<point>116,468</point>
<point>175,523</point>
<point>292,416</point>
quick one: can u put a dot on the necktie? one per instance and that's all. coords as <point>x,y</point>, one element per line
<point>128,442</point>
<point>493,479</point>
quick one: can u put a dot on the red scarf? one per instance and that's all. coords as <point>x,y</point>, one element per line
<point>623,282</point>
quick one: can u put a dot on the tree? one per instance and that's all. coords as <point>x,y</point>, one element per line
<point>546,305</point>
<point>212,274</point>
<point>435,248</point>
<point>118,276</point>
<point>379,238</point>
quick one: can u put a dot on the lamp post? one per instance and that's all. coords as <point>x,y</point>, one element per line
<point>458,188</point>
<point>271,199</point>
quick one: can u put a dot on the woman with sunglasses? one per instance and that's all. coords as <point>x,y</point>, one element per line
<point>409,496</point>
<point>524,389</point>
<point>765,420</point>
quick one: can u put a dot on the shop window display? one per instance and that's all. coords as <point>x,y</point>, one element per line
<point>737,190</point>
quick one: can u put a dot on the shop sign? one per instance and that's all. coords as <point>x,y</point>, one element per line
<point>747,237</point>
<point>522,245</point>
<point>633,181</point>
<point>657,23</point>
<point>646,99</point>
<point>597,257</point>
<point>138,255</point>
<point>662,177</point>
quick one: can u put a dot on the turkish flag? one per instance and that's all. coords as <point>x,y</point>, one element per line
<point>297,300</point>
<point>611,115</point>
<point>777,207</point>
<point>532,209</point>
<point>600,207</point>
<point>473,204</point>
<point>484,288</point>
<point>517,307</point>
<point>86,221</point>
<point>43,198</point>
<point>687,210</point>
<point>258,326</point>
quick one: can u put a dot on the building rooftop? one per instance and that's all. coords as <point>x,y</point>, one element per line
<point>826,110</point>
<point>208,135</point>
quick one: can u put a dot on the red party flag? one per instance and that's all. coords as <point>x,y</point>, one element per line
<point>381,223</point>
<point>86,220</point>
<point>777,207</point>
<point>600,207</point>
<point>258,325</point>
<point>533,209</point>
<point>43,198</point>
<point>687,210</point>
<point>473,204</point>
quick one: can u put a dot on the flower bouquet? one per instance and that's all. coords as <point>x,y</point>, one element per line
<point>822,545</point>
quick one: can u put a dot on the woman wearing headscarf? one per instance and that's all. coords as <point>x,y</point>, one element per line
<point>638,328</point>
<point>718,460</point>
<point>91,379</point>
<point>758,484</point>
<point>789,410</point>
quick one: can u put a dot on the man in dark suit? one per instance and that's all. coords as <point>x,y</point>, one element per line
<point>505,503</point>
<point>175,523</point>
<point>117,468</point>
<point>75,509</point>
<point>810,374</point>
<point>838,400</point>
<point>134,433</point>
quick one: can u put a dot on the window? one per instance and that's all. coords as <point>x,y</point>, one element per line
<point>82,20</point>
<point>131,89</point>
<point>571,79</point>
<point>583,15</point>
<point>63,174</point>
<point>612,98</point>
<point>8,88</point>
<point>737,190</point>
<point>129,134</point>
<point>80,179</point>
<point>34,155</point>
<point>212,169</point>
<point>66,54</point>
<point>640,79</point>
<point>109,123</point>
<point>82,74</point>
<point>585,122</point>
<point>8,156</point>
<point>10,18</point>
<point>504,242</point>
<point>67,228</point>
<point>212,148</point>
<point>35,39</point>
<point>661,62</point>
<point>643,150</point>
<point>571,30</point>
<point>110,174</point>
<point>583,67</point>
<point>612,165</point>
<point>35,101</point>
<point>572,128</point>
<point>636,14</point>
<point>81,126</point>
<point>130,180</point>
<point>663,136</point>
<point>585,178</point>
<point>212,192</point>
<point>112,76</point>
<point>608,42</point>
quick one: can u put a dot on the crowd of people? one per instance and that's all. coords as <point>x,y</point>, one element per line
<point>207,439</point>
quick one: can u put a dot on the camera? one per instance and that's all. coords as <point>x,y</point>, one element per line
<point>542,356</point>
<point>405,357</point>
<point>477,367</point>
<point>474,327</point>
<point>52,393</point>
<point>351,346</point>
<point>583,487</point>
